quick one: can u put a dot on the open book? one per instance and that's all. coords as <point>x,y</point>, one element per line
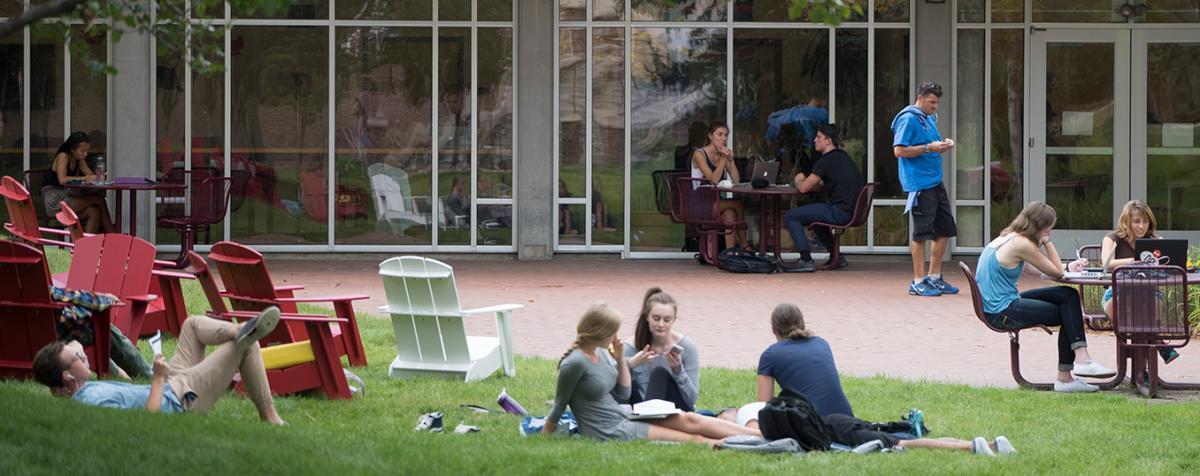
<point>652,410</point>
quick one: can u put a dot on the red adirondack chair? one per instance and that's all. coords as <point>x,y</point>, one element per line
<point>117,264</point>
<point>69,219</point>
<point>23,216</point>
<point>305,365</point>
<point>249,287</point>
<point>28,315</point>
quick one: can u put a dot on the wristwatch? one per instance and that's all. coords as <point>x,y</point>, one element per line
<point>927,150</point>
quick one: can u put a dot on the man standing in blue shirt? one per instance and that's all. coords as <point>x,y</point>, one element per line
<point>918,146</point>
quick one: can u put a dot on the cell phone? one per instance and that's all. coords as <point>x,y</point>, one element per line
<point>677,349</point>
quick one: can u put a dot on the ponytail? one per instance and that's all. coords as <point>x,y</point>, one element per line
<point>599,322</point>
<point>574,345</point>
<point>787,322</point>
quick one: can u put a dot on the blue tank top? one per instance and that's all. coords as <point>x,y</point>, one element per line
<point>997,284</point>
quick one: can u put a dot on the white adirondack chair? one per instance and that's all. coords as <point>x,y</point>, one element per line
<point>428,323</point>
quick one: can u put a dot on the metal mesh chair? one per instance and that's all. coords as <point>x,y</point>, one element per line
<point>1014,335</point>
<point>202,204</point>
<point>1150,309</point>
<point>698,207</point>
<point>862,210</point>
<point>1089,296</point>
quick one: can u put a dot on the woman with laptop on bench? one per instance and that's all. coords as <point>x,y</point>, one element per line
<point>714,163</point>
<point>1119,248</point>
<point>1027,240</point>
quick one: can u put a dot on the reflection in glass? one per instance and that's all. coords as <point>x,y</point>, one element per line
<point>778,11</point>
<point>454,126</point>
<point>972,11</point>
<point>679,10</point>
<point>454,10</point>
<point>1007,124</point>
<point>495,10</point>
<point>970,226</point>
<point>10,9</point>
<point>1172,11</point>
<point>781,95</point>
<point>11,119</point>
<point>571,219</point>
<point>891,226</point>
<point>46,101</point>
<point>608,136</point>
<point>168,120</point>
<point>678,79</point>
<point>89,94</point>
<point>495,225</point>
<point>495,91</point>
<point>1173,112</point>
<point>300,10</point>
<point>1075,11</point>
<point>968,151</point>
<point>382,137</point>
<point>574,10</point>
<point>607,9</point>
<point>892,93</point>
<point>1080,187</point>
<point>891,10</point>
<point>1009,11</point>
<point>386,9</point>
<point>572,107</point>
<point>279,88</point>
<point>851,90</point>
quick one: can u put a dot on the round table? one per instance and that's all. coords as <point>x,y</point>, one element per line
<point>125,186</point>
<point>769,223</point>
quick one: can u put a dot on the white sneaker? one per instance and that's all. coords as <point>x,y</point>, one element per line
<point>1004,447</point>
<point>980,447</point>
<point>1092,369</point>
<point>1075,385</point>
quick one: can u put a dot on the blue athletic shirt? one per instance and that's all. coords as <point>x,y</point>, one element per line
<point>913,127</point>
<point>125,396</point>
<point>806,366</point>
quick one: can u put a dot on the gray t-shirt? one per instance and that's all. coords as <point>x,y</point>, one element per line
<point>592,392</point>
<point>688,380</point>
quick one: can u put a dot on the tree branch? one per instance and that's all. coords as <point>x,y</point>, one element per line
<point>53,8</point>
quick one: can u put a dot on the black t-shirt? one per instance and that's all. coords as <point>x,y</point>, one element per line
<point>841,177</point>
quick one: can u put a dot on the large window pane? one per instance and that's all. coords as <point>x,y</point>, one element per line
<point>678,77</point>
<point>891,226</point>
<point>892,93</point>
<point>608,9</point>
<point>850,88</point>
<point>679,10</point>
<point>891,10</point>
<point>970,226</point>
<point>968,152</point>
<point>46,101</point>
<point>495,10</point>
<point>1007,170</point>
<point>972,11</point>
<point>1173,108</point>
<point>570,224</point>
<point>574,10</point>
<point>1076,11</point>
<point>495,92</point>
<point>455,188</point>
<point>781,94</point>
<point>572,108</point>
<point>11,120</point>
<point>279,95</point>
<point>1008,11</point>
<point>608,136</point>
<point>169,122</point>
<point>384,9</point>
<point>777,11</point>
<point>454,10</point>
<point>382,123</point>
<point>495,225</point>
<point>89,94</point>
<point>1172,11</point>
<point>1079,133</point>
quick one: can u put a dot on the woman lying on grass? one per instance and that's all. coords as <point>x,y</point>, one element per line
<point>591,381</point>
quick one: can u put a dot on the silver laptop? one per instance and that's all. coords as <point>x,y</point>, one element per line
<point>765,170</point>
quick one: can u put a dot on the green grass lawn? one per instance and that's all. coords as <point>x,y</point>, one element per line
<point>1097,433</point>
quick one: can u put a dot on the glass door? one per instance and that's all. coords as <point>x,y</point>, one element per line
<point>1080,127</point>
<point>1165,112</point>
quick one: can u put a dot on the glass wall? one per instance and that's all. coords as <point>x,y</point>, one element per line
<point>399,132</point>
<point>693,66</point>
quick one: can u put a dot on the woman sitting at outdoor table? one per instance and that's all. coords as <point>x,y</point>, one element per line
<point>1136,222</point>
<point>68,165</point>
<point>663,364</point>
<point>703,166</point>
<point>591,381</point>
<point>1027,240</point>
<point>802,362</point>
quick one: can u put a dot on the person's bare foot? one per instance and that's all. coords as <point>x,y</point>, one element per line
<point>275,421</point>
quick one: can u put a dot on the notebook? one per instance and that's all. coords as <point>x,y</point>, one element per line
<point>653,410</point>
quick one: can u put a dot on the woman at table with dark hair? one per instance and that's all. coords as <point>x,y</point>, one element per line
<point>1027,240</point>
<point>68,165</point>
<point>714,163</point>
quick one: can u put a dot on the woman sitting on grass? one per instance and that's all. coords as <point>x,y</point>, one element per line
<point>802,362</point>
<point>1027,240</point>
<point>1118,249</point>
<point>663,363</point>
<point>591,381</point>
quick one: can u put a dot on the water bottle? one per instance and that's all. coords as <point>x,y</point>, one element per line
<point>101,168</point>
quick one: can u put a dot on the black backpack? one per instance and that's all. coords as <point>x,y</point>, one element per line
<point>792,415</point>
<point>747,263</point>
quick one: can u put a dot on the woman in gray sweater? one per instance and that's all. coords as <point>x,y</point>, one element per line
<point>591,381</point>
<point>663,363</point>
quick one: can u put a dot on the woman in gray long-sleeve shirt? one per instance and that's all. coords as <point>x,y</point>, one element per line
<point>590,382</point>
<point>663,363</point>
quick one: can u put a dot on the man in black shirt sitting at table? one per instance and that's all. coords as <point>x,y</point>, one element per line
<point>838,176</point>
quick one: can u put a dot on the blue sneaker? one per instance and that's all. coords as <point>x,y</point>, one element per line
<point>941,285</point>
<point>923,288</point>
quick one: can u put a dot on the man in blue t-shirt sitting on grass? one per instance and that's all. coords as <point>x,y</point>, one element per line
<point>918,147</point>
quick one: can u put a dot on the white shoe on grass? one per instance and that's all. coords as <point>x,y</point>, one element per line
<point>1092,368</point>
<point>1073,386</point>
<point>1004,447</point>
<point>980,447</point>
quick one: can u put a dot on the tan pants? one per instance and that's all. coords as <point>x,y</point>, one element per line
<point>209,377</point>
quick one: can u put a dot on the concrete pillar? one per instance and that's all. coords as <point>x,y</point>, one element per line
<point>535,136</point>
<point>130,139</point>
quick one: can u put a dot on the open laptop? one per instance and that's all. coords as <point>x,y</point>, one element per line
<point>765,170</point>
<point>1165,252</point>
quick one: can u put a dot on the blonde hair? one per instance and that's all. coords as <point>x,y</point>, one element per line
<point>1125,223</point>
<point>1033,219</point>
<point>599,322</point>
<point>788,322</point>
<point>655,295</point>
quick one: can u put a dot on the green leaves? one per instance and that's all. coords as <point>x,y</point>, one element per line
<point>829,12</point>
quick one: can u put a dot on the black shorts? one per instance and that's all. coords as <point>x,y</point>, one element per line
<point>931,215</point>
<point>852,432</point>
